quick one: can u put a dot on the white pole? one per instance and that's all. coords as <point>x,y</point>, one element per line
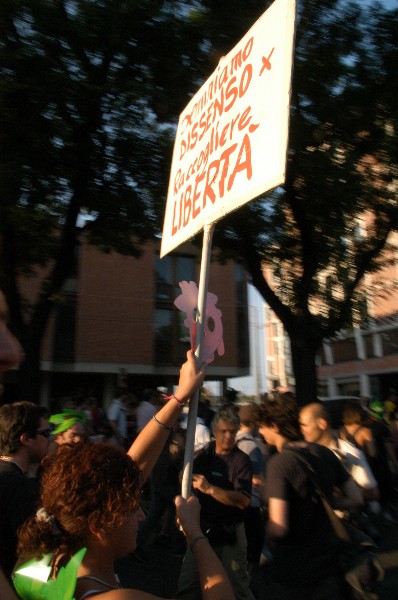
<point>200,325</point>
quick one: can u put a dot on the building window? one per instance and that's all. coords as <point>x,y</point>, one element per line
<point>370,353</point>
<point>322,389</point>
<point>171,336</point>
<point>345,350</point>
<point>390,342</point>
<point>241,315</point>
<point>164,279</point>
<point>348,388</point>
<point>163,334</point>
<point>64,337</point>
<point>322,357</point>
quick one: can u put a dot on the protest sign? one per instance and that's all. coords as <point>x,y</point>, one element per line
<point>230,147</point>
<point>231,140</point>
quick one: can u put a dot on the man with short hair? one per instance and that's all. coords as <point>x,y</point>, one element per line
<point>315,427</point>
<point>24,439</point>
<point>222,477</point>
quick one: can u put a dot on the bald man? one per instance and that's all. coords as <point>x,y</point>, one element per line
<point>315,427</point>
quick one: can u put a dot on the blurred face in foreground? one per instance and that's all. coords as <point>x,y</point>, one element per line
<point>224,435</point>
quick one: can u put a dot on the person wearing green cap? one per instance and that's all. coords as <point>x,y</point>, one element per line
<point>70,427</point>
<point>376,409</point>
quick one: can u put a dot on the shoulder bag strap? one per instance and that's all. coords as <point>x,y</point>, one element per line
<point>336,523</point>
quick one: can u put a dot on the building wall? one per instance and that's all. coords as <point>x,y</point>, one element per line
<point>105,324</point>
<point>115,307</point>
<point>277,348</point>
<point>364,360</point>
<point>360,361</point>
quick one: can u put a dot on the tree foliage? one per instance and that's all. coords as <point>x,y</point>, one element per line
<point>328,226</point>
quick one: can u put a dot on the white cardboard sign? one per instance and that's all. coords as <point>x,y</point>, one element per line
<point>231,140</point>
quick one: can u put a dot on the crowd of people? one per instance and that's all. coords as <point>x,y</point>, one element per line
<point>270,481</point>
<point>89,497</point>
<point>64,487</point>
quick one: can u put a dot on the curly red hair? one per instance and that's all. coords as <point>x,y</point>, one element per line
<point>84,486</point>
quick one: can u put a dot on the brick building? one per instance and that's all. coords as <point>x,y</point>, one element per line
<point>363,360</point>
<point>117,321</point>
<point>359,361</point>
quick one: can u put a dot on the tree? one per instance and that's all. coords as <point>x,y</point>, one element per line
<point>302,246</point>
<point>90,94</point>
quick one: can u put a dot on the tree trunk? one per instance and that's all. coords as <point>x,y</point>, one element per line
<point>29,379</point>
<point>304,350</point>
<point>302,329</point>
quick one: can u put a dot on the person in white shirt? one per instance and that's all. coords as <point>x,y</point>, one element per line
<point>117,418</point>
<point>202,432</point>
<point>148,406</point>
<point>315,427</point>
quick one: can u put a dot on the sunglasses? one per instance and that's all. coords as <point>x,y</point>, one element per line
<point>44,432</point>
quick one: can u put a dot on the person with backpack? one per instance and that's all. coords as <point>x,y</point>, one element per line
<point>302,540</point>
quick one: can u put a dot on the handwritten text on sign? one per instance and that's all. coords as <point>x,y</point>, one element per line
<point>231,140</point>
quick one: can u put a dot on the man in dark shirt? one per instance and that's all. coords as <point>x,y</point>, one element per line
<point>24,439</point>
<point>222,476</point>
<point>302,540</point>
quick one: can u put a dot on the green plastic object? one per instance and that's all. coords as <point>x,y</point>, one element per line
<point>66,419</point>
<point>32,582</point>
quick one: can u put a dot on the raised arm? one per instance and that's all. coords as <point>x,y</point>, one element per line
<point>214,581</point>
<point>149,443</point>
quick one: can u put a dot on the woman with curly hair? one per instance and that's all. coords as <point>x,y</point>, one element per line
<point>90,499</point>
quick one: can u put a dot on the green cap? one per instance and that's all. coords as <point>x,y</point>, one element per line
<point>377,409</point>
<point>66,419</point>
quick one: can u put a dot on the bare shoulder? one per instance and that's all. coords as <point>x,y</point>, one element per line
<point>365,434</point>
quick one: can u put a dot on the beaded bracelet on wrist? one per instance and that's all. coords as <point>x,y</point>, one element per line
<point>162,425</point>
<point>180,403</point>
